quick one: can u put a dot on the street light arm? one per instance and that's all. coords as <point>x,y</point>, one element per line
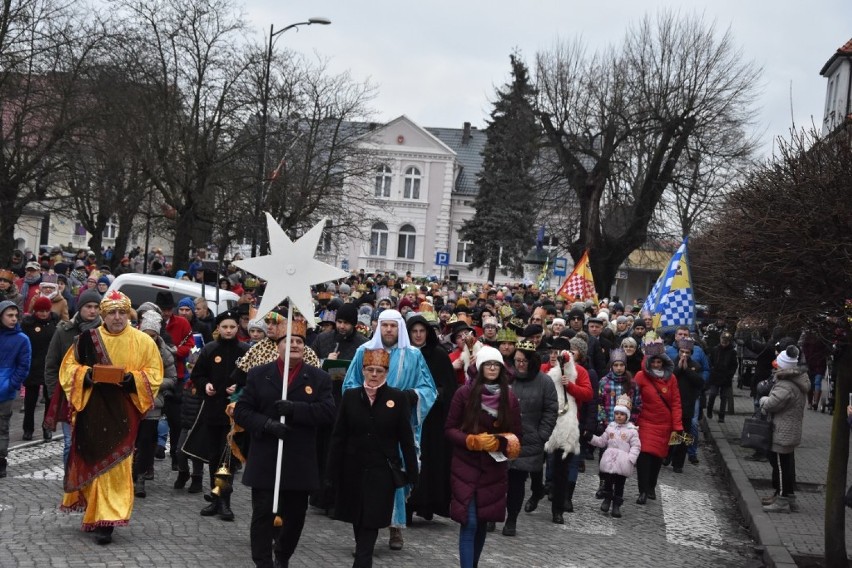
<point>320,21</point>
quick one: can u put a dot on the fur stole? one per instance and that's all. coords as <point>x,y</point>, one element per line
<point>566,434</point>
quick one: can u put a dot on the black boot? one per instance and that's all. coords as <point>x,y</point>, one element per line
<point>711,402</point>
<point>212,508</point>
<point>569,496</point>
<point>182,478</point>
<point>599,494</point>
<point>558,518</point>
<point>642,499</point>
<point>225,512</point>
<point>616,511</point>
<point>139,486</point>
<point>606,503</point>
<point>103,535</point>
<point>195,486</point>
<point>510,527</point>
<point>28,435</point>
<point>3,465</point>
<point>532,503</point>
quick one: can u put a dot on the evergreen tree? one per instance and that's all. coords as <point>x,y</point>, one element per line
<point>505,205</point>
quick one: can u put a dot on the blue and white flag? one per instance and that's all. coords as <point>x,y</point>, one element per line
<point>671,301</point>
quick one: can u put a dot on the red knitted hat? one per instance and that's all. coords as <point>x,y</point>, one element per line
<point>42,304</point>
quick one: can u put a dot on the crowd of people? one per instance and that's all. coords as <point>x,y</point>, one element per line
<point>447,401</point>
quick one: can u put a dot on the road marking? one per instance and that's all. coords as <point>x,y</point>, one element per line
<point>56,472</point>
<point>34,453</point>
<point>689,519</point>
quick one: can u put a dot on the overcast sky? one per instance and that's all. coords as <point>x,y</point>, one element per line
<point>439,61</point>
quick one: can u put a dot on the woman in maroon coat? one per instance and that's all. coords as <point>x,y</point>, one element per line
<point>661,414</point>
<point>479,471</point>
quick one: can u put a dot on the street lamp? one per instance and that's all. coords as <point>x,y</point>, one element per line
<point>264,107</point>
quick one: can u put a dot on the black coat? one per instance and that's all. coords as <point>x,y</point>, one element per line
<point>690,383</point>
<point>432,494</point>
<point>346,345</point>
<point>40,333</point>
<point>365,438</point>
<point>311,393</point>
<point>215,363</point>
<point>723,365</point>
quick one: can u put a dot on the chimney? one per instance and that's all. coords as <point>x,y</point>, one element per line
<point>466,133</point>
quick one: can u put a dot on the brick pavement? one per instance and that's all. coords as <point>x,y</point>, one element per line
<point>798,534</point>
<point>695,518</point>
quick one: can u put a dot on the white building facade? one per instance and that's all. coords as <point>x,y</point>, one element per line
<point>422,192</point>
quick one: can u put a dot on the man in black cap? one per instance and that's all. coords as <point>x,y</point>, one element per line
<point>342,341</point>
<point>598,351</point>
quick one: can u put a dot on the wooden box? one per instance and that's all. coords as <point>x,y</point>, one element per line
<point>107,374</point>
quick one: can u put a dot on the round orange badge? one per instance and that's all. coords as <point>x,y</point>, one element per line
<point>390,404</point>
<point>665,390</point>
<point>309,390</point>
<point>38,329</point>
<point>217,359</point>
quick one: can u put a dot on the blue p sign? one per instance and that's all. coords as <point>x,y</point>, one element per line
<point>442,259</point>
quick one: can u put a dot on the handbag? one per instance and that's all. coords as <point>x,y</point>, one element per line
<point>397,475</point>
<point>757,433</point>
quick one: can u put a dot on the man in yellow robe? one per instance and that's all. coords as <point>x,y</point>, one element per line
<point>105,415</point>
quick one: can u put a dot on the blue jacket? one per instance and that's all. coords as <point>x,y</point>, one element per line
<point>15,356</point>
<point>698,356</point>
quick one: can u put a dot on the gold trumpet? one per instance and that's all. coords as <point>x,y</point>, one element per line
<point>223,481</point>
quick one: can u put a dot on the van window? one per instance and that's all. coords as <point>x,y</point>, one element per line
<point>139,294</point>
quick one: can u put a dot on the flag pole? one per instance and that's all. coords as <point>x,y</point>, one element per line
<point>284,384</point>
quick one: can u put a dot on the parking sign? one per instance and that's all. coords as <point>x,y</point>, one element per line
<point>442,258</point>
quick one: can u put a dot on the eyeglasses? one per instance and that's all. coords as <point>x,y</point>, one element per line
<point>491,364</point>
<point>519,362</point>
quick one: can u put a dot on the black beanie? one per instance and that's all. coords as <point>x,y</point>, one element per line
<point>349,313</point>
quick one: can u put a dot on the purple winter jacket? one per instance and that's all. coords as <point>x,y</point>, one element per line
<point>476,473</point>
<point>622,448</point>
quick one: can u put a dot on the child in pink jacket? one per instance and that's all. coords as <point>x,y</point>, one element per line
<point>621,440</point>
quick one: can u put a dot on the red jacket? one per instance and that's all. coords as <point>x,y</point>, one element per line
<point>658,418</point>
<point>180,330</point>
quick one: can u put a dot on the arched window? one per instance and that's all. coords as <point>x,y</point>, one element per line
<point>407,242</point>
<point>383,181</point>
<point>379,240</point>
<point>412,183</point>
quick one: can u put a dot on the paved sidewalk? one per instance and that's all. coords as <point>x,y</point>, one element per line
<point>784,536</point>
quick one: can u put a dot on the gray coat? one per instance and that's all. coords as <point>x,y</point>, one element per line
<point>537,397</point>
<point>786,404</point>
<point>167,387</point>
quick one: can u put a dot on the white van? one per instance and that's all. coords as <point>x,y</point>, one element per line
<point>141,288</point>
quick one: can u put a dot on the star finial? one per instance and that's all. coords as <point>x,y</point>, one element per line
<point>290,269</point>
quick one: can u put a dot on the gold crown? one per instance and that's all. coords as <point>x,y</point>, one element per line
<point>526,345</point>
<point>299,327</point>
<point>377,357</point>
<point>115,300</point>
<point>624,401</point>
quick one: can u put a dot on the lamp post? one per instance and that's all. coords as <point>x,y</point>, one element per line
<point>264,108</point>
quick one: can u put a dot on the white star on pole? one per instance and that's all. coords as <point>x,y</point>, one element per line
<point>290,269</point>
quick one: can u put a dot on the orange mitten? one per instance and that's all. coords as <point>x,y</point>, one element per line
<point>482,442</point>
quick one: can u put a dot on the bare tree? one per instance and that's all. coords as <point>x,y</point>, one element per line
<point>44,47</point>
<point>620,122</point>
<point>190,56</point>
<point>780,252</point>
<point>315,142</point>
